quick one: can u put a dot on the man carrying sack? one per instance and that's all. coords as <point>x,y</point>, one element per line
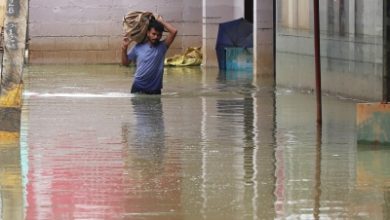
<point>149,52</point>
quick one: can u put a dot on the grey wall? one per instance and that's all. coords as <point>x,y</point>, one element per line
<point>351,47</point>
<point>89,31</point>
<point>264,40</point>
<point>214,13</point>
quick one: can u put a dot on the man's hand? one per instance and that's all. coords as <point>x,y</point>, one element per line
<point>125,43</point>
<point>160,19</point>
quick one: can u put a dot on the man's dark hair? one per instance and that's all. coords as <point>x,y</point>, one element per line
<point>153,23</point>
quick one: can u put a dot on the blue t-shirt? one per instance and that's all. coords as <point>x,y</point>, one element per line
<point>150,65</point>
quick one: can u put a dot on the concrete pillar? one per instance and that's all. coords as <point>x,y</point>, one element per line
<point>263,21</point>
<point>14,51</point>
<point>15,27</point>
<point>191,28</point>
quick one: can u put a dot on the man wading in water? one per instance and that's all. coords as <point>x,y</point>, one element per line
<point>149,57</point>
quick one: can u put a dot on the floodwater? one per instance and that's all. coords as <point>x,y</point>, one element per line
<point>213,146</point>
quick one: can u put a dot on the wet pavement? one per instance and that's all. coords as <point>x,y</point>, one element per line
<point>212,146</point>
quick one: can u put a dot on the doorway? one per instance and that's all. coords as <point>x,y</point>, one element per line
<point>248,10</point>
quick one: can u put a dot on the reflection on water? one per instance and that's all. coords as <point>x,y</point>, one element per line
<point>154,184</point>
<point>212,146</point>
<point>11,198</point>
<point>317,181</point>
<point>373,175</point>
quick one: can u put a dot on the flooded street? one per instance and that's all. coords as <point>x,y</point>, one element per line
<point>213,146</point>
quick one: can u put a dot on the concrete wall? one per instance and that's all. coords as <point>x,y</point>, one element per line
<point>215,12</point>
<point>218,11</point>
<point>264,38</point>
<point>351,47</point>
<point>89,31</point>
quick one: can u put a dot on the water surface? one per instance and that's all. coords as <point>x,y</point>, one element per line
<point>212,146</point>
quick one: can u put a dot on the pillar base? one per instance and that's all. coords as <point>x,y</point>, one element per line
<point>12,97</point>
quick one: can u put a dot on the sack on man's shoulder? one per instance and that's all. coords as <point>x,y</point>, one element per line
<point>135,24</point>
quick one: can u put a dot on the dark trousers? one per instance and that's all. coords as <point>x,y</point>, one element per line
<point>135,89</point>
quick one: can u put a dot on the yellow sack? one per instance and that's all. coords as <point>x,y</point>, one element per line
<point>135,24</point>
<point>191,57</point>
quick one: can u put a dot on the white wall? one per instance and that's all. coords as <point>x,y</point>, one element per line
<point>89,31</point>
<point>264,39</point>
<point>239,8</point>
<point>218,11</point>
<point>191,28</point>
<point>215,12</point>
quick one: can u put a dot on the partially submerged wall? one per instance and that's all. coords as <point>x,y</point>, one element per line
<point>351,47</point>
<point>90,31</point>
<point>264,42</point>
<point>214,13</point>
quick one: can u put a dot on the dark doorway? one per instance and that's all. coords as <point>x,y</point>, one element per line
<point>248,11</point>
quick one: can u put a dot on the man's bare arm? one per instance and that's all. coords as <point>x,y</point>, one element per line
<point>172,31</point>
<point>125,45</point>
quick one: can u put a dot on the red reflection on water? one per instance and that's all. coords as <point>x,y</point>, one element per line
<point>70,182</point>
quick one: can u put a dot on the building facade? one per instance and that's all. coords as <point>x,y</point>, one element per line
<point>352,47</point>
